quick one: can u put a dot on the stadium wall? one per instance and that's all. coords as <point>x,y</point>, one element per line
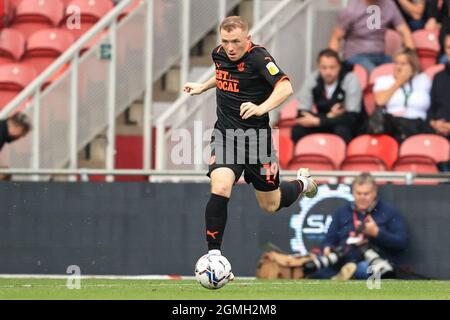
<point>142,228</point>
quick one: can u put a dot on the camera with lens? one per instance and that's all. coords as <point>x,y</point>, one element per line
<point>320,262</point>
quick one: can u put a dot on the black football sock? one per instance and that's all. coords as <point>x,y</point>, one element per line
<point>216,219</point>
<point>290,191</point>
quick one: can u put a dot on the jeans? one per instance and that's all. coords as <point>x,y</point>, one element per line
<point>370,60</point>
<point>443,59</point>
<point>329,272</point>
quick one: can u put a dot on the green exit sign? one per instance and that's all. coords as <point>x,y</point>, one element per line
<point>105,51</point>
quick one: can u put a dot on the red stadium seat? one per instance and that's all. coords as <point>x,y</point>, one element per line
<point>427,47</point>
<point>319,151</point>
<point>433,70</point>
<point>288,114</point>
<point>421,153</point>
<point>129,156</point>
<point>91,12</point>
<point>12,44</point>
<point>13,78</point>
<point>393,42</point>
<point>45,46</point>
<point>382,70</point>
<point>284,147</point>
<point>362,75</point>
<point>33,15</point>
<point>377,152</point>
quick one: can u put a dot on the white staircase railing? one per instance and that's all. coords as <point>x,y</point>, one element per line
<point>89,95</point>
<point>196,115</point>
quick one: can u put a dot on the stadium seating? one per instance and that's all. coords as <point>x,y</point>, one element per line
<point>91,12</point>
<point>45,46</point>
<point>33,15</point>
<point>319,151</point>
<point>371,153</point>
<point>427,47</point>
<point>422,152</point>
<point>13,78</point>
<point>433,70</point>
<point>288,114</point>
<point>362,75</point>
<point>284,146</point>
<point>12,45</point>
<point>382,70</point>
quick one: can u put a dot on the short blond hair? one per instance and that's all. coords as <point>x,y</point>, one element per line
<point>234,22</point>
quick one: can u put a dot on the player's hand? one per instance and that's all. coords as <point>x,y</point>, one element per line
<point>249,109</point>
<point>371,228</point>
<point>193,88</point>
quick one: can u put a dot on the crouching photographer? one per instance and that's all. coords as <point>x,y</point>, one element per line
<point>364,238</point>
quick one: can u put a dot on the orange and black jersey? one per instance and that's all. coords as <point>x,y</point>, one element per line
<point>250,79</point>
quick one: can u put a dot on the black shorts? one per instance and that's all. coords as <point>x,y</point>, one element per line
<point>261,171</point>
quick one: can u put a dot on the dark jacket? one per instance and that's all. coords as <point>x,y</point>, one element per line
<point>391,239</point>
<point>324,104</point>
<point>4,135</point>
<point>440,96</point>
<point>442,16</point>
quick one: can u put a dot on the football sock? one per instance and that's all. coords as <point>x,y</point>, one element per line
<point>290,191</point>
<point>216,219</point>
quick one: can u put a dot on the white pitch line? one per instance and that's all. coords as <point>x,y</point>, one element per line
<point>100,277</point>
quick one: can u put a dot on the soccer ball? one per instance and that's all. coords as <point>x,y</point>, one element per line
<point>212,271</point>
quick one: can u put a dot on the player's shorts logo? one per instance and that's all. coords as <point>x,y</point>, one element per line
<point>241,67</point>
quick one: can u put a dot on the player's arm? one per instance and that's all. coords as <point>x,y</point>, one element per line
<point>282,90</point>
<point>198,88</point>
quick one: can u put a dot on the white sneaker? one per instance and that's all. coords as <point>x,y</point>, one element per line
<point>309,185</point>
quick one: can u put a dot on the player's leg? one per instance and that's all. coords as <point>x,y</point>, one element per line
<point>222,181</point>
<point>287,193</point>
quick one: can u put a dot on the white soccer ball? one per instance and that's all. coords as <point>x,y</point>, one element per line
<point>213,271</point>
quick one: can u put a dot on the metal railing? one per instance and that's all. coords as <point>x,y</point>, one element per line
<point>199,176</point>
<point>88,96</point>
<point>287,18</point>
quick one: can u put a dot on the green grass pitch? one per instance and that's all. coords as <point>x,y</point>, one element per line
<point>238,290</point>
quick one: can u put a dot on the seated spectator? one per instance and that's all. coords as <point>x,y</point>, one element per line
<point>364,43</point>
<point>366,233</point>
<point>439,112</point>
<point>439,21</point>
<point>414,12</point>
<point>405,96</point>
<point>13,128</point>
<point>336,92</point>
